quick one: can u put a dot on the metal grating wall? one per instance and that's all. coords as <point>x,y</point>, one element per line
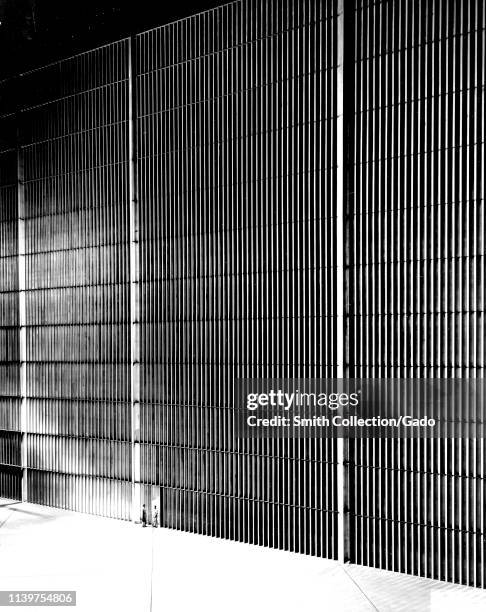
<point>416,276</point>
<point>237,183</point>
<point>74,160</point>
<point>10,396</point>
<point>171,219</point>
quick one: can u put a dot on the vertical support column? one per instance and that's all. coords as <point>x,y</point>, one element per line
<point>340,276</point>
<point>134,286</point>
<point>22,316</point>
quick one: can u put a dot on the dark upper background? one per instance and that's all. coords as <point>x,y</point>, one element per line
<point>35,32</point>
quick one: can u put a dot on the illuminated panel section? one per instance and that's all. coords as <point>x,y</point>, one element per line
<point>10,435</point>
<point>237,184</point>
<point>417,275</point>
<point>75,156</point>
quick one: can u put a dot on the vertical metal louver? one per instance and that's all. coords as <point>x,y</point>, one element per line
<point>416,276</point>
<point>74,151</point>
<point>236,170</point>
<point>10,397</point>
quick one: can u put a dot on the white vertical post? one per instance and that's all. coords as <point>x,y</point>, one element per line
<point>340,280</point>
<point>134,290</point>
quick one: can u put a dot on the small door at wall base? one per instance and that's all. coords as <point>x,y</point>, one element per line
<point>155,517</point>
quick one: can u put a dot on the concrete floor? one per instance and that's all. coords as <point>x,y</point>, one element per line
<point>117,566</point>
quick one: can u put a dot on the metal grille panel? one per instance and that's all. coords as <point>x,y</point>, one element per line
<point>10,396</point>
<point>416,277</point>
<point>74,153</point>
<point>236,168</point>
